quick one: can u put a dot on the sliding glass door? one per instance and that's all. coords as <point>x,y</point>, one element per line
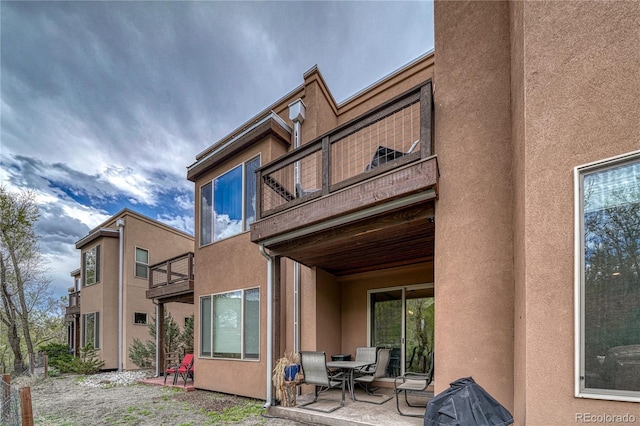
<point>402,318</point>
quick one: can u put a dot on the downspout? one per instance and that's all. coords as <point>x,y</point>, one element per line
<point>269,325</point>
<point>297,112</point>
<point>157,338</point>
<point>120,224</point>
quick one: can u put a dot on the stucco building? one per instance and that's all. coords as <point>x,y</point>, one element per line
<point>108,306</point>
<point>480,203</point>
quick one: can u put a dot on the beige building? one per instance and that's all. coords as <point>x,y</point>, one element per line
<point>108,306</point>
<point>480,203</point>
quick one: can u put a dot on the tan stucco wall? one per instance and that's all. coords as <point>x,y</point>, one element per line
<point>102,297</point>
<point>574,86</point>
<point>420,72</point>
<point>162,244</point>
<point>231,264</point>
<point>582,87</point>
<point>473,242</point>
<point>517,134</point>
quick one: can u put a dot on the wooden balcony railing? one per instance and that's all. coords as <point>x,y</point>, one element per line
<point>74,302</point>
<point>176,270</point>
<point>396,133</point>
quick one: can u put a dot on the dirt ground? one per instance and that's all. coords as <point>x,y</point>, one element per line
<point>73,400</point>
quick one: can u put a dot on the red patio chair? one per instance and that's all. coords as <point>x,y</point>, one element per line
<point>185,370</point>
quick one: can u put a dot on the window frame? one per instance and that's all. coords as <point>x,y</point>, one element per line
<point>146,318</point>
<point>97,266</point>
<point>96,329</point>
<point>242,327</point>
<point>137,262</point>
<point>244,226</point>
<point>580,390</point>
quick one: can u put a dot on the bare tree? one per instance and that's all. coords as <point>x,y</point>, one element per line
<point>23,282</point>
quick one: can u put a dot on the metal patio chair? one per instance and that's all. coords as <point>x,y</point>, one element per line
<point>315,372</point>
<point>380,370</point>
<point>365,354</point>
<point>412,383</point>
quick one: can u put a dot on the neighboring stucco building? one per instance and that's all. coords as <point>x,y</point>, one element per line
<point>115,258</point>
<point>482,202</point>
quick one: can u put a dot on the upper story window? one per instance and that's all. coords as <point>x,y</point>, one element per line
<point>142,263</point>
<point>91,266</point>
<point>608,278</point>
<point>228,203</point>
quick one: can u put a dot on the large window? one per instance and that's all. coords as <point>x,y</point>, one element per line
<point>228,203</point>
<point>91,329</point>
<point>607,278</point>
<point>142,263</point>
<point>230,325</point>
<point>91,266</point>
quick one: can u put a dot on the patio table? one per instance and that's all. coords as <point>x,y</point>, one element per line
<point>348,367</point>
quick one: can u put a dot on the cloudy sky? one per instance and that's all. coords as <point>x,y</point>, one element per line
<point>105,104</point>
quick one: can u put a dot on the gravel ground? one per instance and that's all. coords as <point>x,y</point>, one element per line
<point>117,399</point>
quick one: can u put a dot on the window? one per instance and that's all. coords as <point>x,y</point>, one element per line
<point>91,329</point>
<point>91,266</point>
<point>228,203</point>
<point>140,318</point>
<point>608,278</point>
<point>142,263</point>
<point>230,325</point>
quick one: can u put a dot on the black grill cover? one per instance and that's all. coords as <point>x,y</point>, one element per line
<point>466,403</point>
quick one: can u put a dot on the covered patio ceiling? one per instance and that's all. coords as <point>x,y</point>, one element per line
<point>394,238</point>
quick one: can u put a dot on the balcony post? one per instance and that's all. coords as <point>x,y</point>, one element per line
<point>168,273</point>
<point>160,359</point>
<point>426,120</point>
<point>326,165</point>
<point>259,207</point>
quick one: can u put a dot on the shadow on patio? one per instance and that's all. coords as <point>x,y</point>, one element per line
<point>353,412</point>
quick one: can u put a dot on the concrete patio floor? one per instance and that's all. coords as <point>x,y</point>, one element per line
<point>355,413</point>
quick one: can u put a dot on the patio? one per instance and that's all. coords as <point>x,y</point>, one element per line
<point>159,381</point>
<point>354,412</point>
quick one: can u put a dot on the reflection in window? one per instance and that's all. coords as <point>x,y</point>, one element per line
<point>91,266</point>
<point>205,326</point>
<point>230,325</point>
<point>250,191</point>
<point>91,329</point>
<point>206,214</point>
<point>142,263</point>
<point>610,281</point>
<point>228,203</point>
<point>140,318</point>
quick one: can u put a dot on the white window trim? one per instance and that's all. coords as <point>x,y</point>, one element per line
<point>243,164</point>
<point>242,358</point>
<point>135,263</point>
<point>579,330</point>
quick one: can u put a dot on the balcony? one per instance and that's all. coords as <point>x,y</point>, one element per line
<point>369,184</point>
<point>172,280</point>
<point>74,302</point>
